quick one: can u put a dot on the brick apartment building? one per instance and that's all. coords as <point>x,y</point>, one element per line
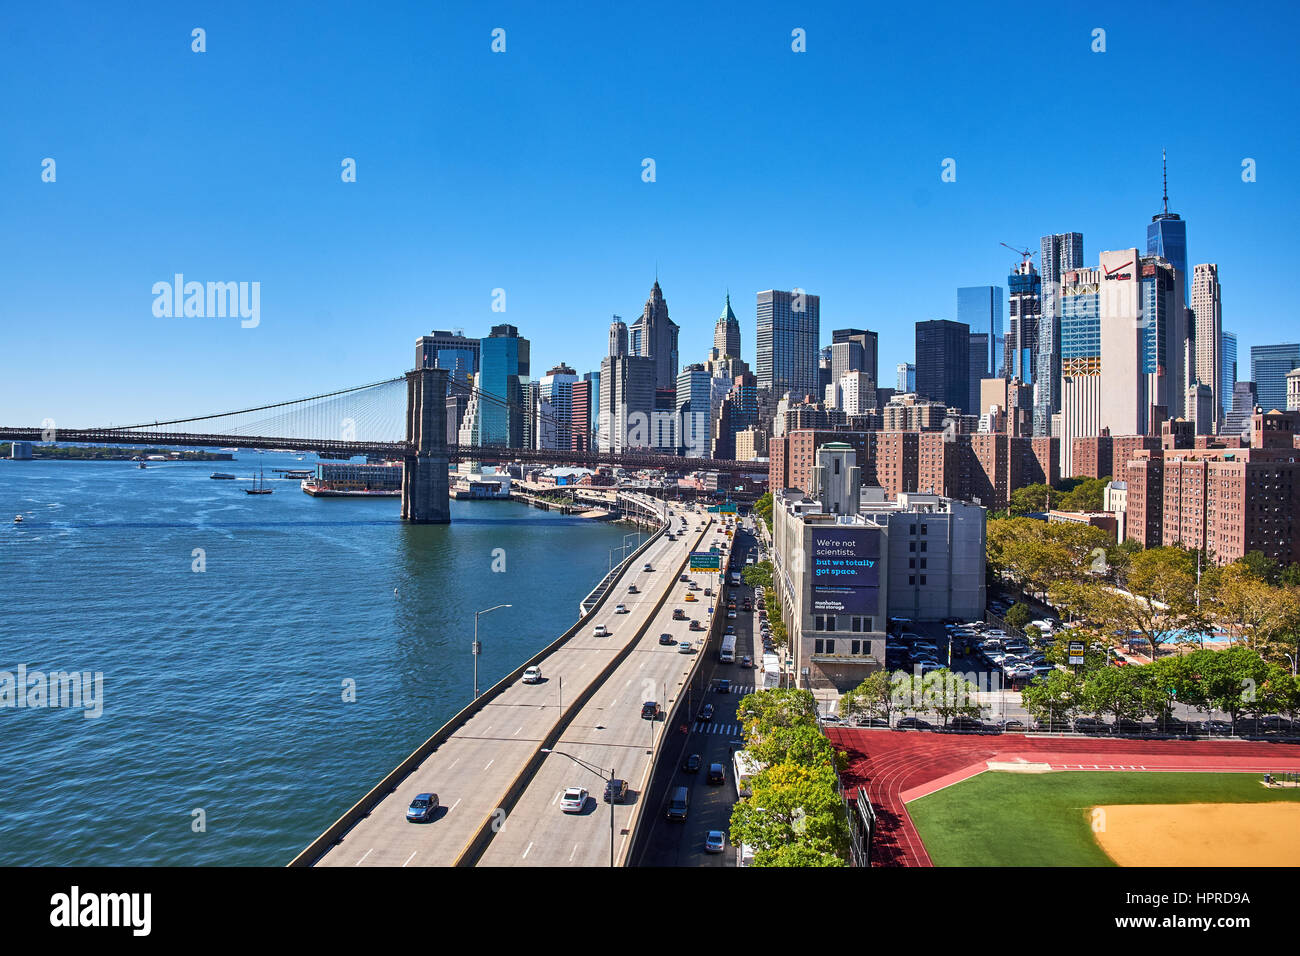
<point>1230,500</point>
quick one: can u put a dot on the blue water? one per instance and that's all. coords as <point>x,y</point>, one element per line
<point>223,689</point>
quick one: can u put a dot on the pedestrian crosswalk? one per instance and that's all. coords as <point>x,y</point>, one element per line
<point>740,690</point>
<point>709,727</point>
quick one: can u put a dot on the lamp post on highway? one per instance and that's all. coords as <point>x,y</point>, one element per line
<point>478,648</point>
<point>600,773</point>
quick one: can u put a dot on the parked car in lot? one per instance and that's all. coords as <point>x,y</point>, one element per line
<point>692,763</point>
<point>863,721</point>
<point>1090,725</point>
<point>532,675</point>
<point>615,791</point>
<point>422,808</point>
<point>913,723</point>
<point>965,723</point>
<point>650,710</point>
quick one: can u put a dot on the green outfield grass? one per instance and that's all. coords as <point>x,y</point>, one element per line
<point>1018,819</point>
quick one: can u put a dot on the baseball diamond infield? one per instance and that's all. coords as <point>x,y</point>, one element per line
<point>984,817</point>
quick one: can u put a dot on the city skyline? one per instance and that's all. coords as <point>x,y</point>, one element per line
<point>351,273</point>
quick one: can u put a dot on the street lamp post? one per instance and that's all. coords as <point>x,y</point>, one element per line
<point>478,648</point>
<point>600,773</point>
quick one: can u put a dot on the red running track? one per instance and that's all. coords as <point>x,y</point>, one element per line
<point>898,766</point>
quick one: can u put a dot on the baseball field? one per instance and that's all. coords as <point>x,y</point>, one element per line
<point>1110,818</point>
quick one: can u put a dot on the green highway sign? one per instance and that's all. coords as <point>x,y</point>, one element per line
<point>703,561</point>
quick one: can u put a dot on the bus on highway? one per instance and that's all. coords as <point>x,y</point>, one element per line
<point>728,653</point>
<point>744,766</point>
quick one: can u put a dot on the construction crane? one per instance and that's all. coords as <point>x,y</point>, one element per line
<point>1025,254</point>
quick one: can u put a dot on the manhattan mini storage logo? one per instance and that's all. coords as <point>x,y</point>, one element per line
<point>77,909</point>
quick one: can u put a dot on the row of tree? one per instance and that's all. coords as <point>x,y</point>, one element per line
<point>794,815</point>
<point>759,575</point>
<point>1235,681</point>
<point>1153,596</point>
<point>941,693</point>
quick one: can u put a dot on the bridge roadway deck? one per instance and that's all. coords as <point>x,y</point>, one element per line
<point>472,771</point>
<point>610,733</point>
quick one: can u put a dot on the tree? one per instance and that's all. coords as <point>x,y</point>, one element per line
<point>763,508</point>
<point>1260,615</point>
<point>791,803</point>
<point>875,696</point>
<point>801,743</point>
<point>1230,680</point>
<point>758,575</point>
<point>798,854</point>
<point>1055,697</point>
<point>1261,567</point>
<point>1018,615</point>
<point>765,710</point>
<point>1029,498</point>
<point>949,695</point>
<point>1118,691</point>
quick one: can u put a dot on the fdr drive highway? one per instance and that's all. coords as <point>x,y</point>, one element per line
<point>497,788</point>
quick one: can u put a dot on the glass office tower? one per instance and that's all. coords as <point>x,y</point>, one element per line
<point>1228,352</point>
<point>789,326</point>
<point>980,307</point>
<point>1268,367</point>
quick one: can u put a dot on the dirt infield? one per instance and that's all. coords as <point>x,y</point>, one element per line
<point>1201,834</point>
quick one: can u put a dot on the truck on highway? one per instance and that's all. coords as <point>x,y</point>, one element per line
<point>728,653</point>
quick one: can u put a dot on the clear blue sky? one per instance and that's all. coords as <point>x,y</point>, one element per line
<point>522,171</point>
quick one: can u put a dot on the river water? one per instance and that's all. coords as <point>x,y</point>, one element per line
<point>229,629</point>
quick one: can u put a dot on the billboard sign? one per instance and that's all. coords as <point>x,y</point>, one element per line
<point>1077,649</point>
<point>846,571</point>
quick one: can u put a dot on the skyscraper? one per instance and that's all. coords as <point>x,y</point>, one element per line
<point>979,370</point>
<point>627,403</point>
<point>943,362</point>
<point>1268,367</point>
<point>1228,349</point>
<point>1143,343</point>
<point>789,327</point>
<point>1167,232</point>
<point>1025,302</point>
<point>980,307</point>
<point>906,378</point>
<point>1061,253</point>
<point>854,350</point>
<point>1080,361</point>
<point>450,350</point>
<point>495,416</point>
<point>726,332</point>
<point>1207,306</point>
<point>654,335</point>
<point>618,342</point>
<point>1244,400</point>
<point>555,389</point>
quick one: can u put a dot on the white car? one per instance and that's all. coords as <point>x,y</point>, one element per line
<point>574,800</point>
<point>600,631</point>
<point>620,609</point>
<point>532,675</point>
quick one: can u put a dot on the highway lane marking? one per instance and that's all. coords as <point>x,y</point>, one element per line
<point>454,762</point>
<point>363,856</point>
<point>411,857</point>
<point>525,856</point>
<point>454,805</point>
<point>490,762</point>
<point>557,796</point>
<point>575,850</point>
<point>516,733</point>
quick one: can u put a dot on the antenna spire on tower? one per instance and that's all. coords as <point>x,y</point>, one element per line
<point>1164,178</point>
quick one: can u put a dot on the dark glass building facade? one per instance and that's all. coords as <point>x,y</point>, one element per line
<point>943,362</point>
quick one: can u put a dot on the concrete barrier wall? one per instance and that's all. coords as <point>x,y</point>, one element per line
<point>317,848</point>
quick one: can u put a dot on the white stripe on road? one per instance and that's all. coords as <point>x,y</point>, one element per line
<point>454,805</point>
<point>490,762</point>
<point>516,733</point>
<point>454,762</point>
<point>363,856</point>
<point>575,850</point>
<point>525,856</point>
<point>411,857</point>
<point>557,796</point>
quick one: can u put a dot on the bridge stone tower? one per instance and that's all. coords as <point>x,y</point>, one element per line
<point>425,498</point>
